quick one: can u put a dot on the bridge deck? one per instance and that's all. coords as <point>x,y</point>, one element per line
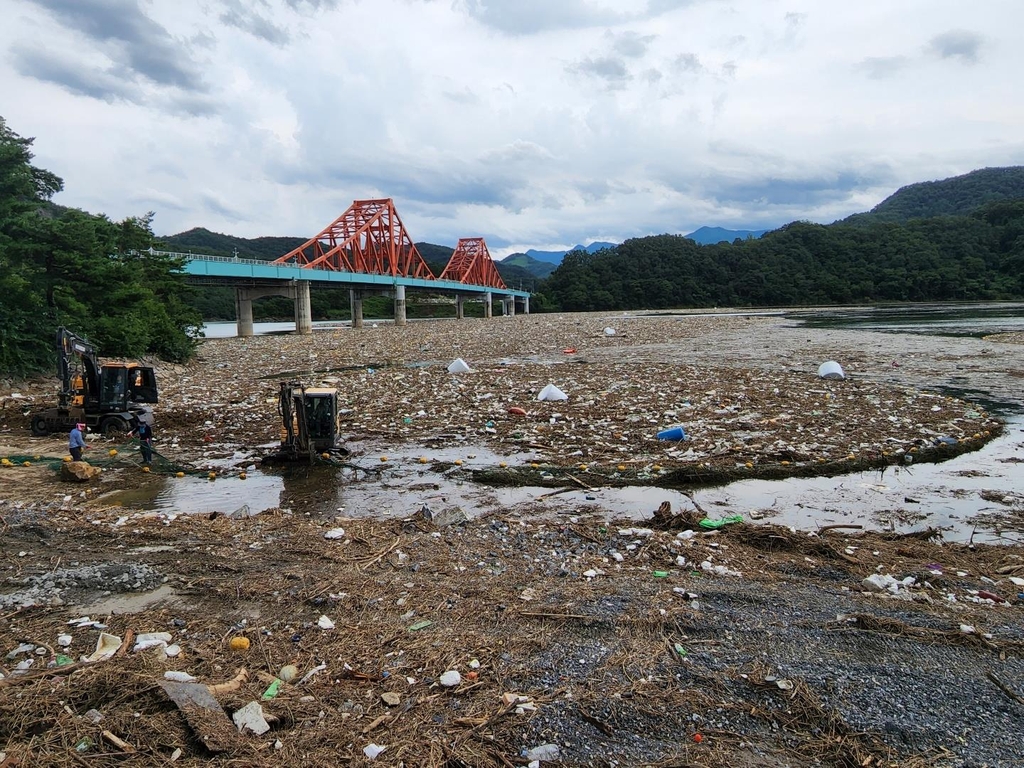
<point>254,269</point>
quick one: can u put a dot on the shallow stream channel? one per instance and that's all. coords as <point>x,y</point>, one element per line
<point>978,496</point>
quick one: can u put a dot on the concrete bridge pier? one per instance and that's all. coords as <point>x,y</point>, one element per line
<point>399,305</point>
<point>488,310</point>
<point>526,305</point>
<point>297,291</point>
<point>243,313</point>
<point>508,305</point>
<point>303,309</point>
<point>460,307</point>
<point>355,297</point>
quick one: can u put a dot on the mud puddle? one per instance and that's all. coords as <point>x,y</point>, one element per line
<point>963,496</point>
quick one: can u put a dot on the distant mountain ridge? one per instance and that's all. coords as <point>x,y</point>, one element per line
<point>955,196</point>
<point>714,235</point>
<point>555,257</point>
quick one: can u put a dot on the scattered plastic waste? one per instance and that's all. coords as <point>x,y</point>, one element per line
<point>179,677</point>
<point>372,751</point>
<point>883,582</point>
<point>707,522</point>
<point>718,570</point>
<point>459,366</point>
<point>325,623</point>
<point>106,646</point>
<point>552,393</point>
<point>335,533</point>
<point>947,440</point>
<point>148,640</point>
<point>309,675</point>
<point>515,410</point>
<point>251,718</point>
<point>544,753</point>
<point>831,370</point>
<point>272,690</point>
<point>421,624</point>
<point>673,433</point>
<point>609,331</point>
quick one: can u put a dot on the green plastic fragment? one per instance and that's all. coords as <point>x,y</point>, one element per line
<point>661,574</point>
<point>63,661</point>
<point>680,650</point>
<point>707,522</point>
<point>421,624</point>
<point>272,690</point>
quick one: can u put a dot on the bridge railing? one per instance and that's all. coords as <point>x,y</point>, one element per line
<point>205,257</point>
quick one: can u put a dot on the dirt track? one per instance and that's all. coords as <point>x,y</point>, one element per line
<point>622,664</point>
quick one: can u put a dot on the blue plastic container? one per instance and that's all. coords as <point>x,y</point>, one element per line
<point>675,433</point>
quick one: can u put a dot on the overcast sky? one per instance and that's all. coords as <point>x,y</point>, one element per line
<point>532,123</point>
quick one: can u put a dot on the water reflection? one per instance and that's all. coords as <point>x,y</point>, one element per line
<point>960,320</point>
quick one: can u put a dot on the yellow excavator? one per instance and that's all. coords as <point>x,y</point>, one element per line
<point>110,398</point>
<point>309,423</point>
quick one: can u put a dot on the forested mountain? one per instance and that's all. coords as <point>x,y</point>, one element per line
<point>532,266</point>
<point>956,196</point>
<point>980,256</point>
<point>215,244</point>
<point>62,266</point>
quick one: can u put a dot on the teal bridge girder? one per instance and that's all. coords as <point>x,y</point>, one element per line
<point>250,271</point>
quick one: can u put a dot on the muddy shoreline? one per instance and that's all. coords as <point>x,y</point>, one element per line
<point>627,642</point>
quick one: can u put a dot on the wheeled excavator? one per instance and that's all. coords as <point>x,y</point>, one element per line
<point>110,398</point>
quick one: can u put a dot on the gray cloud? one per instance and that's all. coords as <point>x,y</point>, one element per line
<point>805,192</point>
<point>242,15</point>
<point>881,67</point>
<point>212,204</point>
<point>630,44</point>
<point>72,76</point>
<point>448,181</point>
<point>129,37</point>
<point>465,96</point>
<point>608,68</point>
<point>688,62</point>
<point>957,44</point>
<point>524,17</point>
<point>315,5</point>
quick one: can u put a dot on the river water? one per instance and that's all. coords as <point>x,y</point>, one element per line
<point>977,497</point>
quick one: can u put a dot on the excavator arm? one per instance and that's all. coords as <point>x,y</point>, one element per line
<point>70,350</point>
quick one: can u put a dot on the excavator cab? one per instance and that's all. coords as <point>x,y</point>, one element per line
<point>309,422</point>
<point>122,384</point>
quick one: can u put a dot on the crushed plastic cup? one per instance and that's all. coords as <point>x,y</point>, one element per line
<point>458,365</point>
<point>674,433</point>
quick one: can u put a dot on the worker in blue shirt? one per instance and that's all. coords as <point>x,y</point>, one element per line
<point>145,433</point>
<point>76,442</point>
